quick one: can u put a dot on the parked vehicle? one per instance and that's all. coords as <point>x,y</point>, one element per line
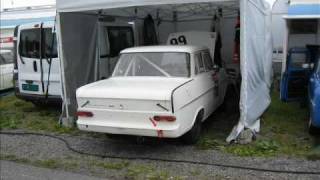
<point>38,66</point>
<point>38,76</point>
<point>160,91</point>
<point>314,93</point>
<point>300,81</point>
<point>294,82</point>
<point>6,69</point>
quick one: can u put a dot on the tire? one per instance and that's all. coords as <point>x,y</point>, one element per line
<point>193,135</point>
<point>312,129</point>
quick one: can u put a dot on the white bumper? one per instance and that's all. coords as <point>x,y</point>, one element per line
<point>130,123</point>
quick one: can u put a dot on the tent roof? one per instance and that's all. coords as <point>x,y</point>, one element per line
<point>84,5</point>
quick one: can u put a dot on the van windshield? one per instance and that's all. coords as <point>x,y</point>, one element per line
<point>29,45</point>
<point>168,64</point>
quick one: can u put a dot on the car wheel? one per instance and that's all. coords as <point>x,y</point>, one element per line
<point>193,135</point>
<point>312,129</point>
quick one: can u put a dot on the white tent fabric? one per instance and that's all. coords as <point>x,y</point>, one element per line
<point>77,44</point>
<point>256,66</point>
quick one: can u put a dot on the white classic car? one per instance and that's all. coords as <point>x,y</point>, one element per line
<point>160,91</point>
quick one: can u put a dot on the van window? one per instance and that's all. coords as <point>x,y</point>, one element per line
<point>49,41</point>
<point>119,38</point>
<point>199,64</point>
<point>207,61</point>
<point>29,45</point>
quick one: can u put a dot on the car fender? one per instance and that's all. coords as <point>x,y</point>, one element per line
<point>195,117</point>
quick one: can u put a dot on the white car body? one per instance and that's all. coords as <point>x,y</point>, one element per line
<point>129,104</point>
<point>6,69</point>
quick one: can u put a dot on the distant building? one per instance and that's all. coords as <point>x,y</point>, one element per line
<point>11,17</point>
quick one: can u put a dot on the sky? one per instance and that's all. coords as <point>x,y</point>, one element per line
<point>24,3</point>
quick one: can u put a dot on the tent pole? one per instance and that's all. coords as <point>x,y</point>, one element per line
<point>63,77</point>
<point>285,47</point>
<point>175,19</point>
<point>97,64</point>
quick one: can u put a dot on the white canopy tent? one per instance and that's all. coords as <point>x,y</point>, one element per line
<point>77,25</point>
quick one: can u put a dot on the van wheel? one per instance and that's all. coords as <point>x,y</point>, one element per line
<point>312,129</point>
<point>193,135</point>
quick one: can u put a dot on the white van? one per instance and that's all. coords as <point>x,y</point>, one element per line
<point>37,64</point>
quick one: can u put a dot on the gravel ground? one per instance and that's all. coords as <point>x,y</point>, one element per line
<point>38,148</point>
<point>14,171</point>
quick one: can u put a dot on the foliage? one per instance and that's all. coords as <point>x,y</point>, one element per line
<point>19,114</point>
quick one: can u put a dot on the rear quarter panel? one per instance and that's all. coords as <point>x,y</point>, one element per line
<point>188,100</point>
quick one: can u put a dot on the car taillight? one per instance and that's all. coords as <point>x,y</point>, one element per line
<point>84,114</point>
<point>164,118</point>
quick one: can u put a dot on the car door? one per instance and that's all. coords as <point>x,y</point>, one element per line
<point>6,69</point>
<point>204,83</point>
<point>212,79</point>
<point>36,56</point>
<point>28,55</point>
<point>50,61</point>
<point>294,81</point>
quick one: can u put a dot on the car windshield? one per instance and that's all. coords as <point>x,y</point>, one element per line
<point>168,64</point>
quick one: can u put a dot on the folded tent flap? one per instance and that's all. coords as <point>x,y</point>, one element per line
<point>78,39</point>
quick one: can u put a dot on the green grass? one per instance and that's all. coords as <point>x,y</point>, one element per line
<point>283,133</point>
<point>131,171</point>
<point>283,129</point>
<point>148,172</point>
<point>19,114</point>
<point>112,165</point>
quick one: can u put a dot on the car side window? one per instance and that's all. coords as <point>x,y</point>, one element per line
<point>199,66</point>
<point>207,61</point>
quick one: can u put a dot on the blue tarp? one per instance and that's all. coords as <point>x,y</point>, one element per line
<point>304,9</point>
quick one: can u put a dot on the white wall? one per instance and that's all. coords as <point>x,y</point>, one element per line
<point>278,23</point>
<point>227,33</point>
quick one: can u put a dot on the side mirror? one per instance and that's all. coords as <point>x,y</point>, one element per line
<point>308,65</point>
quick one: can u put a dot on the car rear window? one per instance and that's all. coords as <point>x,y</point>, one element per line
<point>169,64</point>
<point>29,45</point>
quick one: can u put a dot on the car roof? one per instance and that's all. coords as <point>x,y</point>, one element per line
<point>164,48</point>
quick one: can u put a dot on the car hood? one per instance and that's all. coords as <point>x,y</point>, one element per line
<point>146,88</point>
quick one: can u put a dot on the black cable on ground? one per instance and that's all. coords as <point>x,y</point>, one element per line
<point>158,159</point>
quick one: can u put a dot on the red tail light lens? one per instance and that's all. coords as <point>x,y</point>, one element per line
<point>6,40</point>
<point>84,114</point>
<point>164,118</point>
